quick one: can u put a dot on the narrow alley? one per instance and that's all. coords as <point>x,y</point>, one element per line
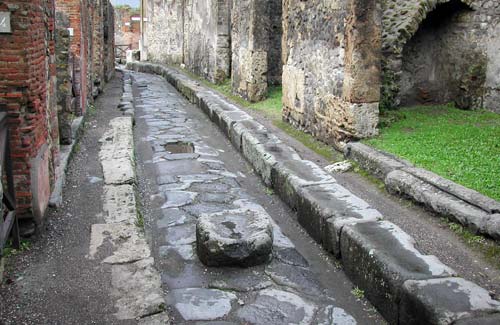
<point>226,162</point>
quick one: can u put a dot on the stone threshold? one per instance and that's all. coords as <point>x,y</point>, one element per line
<point>406,286</point>
<point>471,209</point>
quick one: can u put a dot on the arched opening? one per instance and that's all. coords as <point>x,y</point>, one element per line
<point>439,63</point>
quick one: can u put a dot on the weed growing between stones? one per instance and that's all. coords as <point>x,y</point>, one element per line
<point>358,293</point>
<point>269,191</point>
<point>357,169</point>
<point>9,251</point>
<point>139,222</point>
<point>488,248</point>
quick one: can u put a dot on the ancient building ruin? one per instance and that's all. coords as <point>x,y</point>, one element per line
<point>339,61</point>
<point>256,47</point>
<point>194,33</point>
<point>441,51</point>
<point>54,59</point>
<point>127,29</point>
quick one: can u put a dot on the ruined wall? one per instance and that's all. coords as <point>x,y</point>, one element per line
<point>332,67</point>
<point>256,47</point>
<point>97,46</point>
<point>109,41</point>
<point>441,51</point>
<point>165,31</point>
<point>66,101</point>
<point>27,93</point>
<point>78,12</point>
<point>127,31</point>
<point>196,33</point>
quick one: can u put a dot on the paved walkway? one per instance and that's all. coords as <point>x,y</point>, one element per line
<point>207,175</point>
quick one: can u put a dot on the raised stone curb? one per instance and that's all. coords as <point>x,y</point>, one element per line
<point>66,152</point>
<point>479,213</point>
<point>377,255</point>
<point>136,284</point>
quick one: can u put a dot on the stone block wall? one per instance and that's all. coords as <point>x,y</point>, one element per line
<point>331,76</point>
<point>191,32</point>
<point>441,51</point>
<point>256,47</point>
<point>109,40</point>
<point>27,93</point>
<point>66,101</point>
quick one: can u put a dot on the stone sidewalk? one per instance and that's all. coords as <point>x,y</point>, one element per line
<point>193,179</point>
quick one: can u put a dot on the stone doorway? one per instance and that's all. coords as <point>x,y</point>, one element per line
<point>439,64</point>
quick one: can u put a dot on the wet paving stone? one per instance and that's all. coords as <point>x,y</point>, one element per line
<point>278,307</point>
<point>197,185</point>
<point>201,304</point>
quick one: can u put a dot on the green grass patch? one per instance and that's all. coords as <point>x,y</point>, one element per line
<point>309,141</point>
<point>463,146</point>
<point>489,248</point>
<point>9,251</point>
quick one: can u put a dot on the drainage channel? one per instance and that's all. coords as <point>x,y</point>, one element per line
<point>199,174</point>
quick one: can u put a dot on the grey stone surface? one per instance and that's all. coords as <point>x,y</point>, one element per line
<point>137,288</point>
<point>296,277</point>
<point>241,280</point>
<point>117,155</point>
<point>443,301</point>
<point>234,237</point>
<point>379,257</point>
<point>127,244</point>
<point>157,319</point>
<point>278,307</point>
<point>443,203</point>
<point>201,304</point>
<point>470,196</point>
<point>492,319</point>
<point>377,162</point>
<point>290,256</point>
<point>119,204</point>
<point>325,208</point>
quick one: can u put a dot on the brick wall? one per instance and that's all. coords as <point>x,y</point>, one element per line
<point>27,92</point>
<point>38,80</point>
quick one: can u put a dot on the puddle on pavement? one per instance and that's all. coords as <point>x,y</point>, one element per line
<point>179,147</point>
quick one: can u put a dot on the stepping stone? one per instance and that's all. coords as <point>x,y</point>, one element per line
<point>239,237</point>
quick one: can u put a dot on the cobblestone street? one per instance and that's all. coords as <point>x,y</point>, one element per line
<point>197,172</point>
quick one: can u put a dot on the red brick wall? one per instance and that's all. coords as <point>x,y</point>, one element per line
<point>77,12</point>
<point>27,92</point>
